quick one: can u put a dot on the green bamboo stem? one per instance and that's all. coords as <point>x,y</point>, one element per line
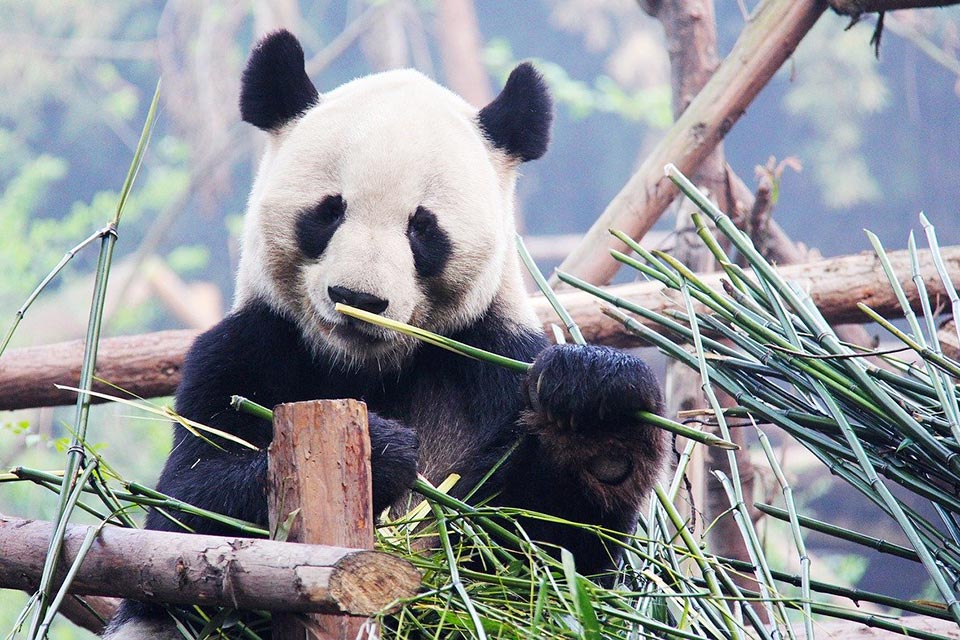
<point>75,453</point>
<point>548,293</point>
<point>719,613</point>
<point>643,312</point>
<point>816,326</point>
<point>758,561</point>
<point>455,581</point>
<point>67,257</point>
<point>939,379</point>
<point>245,405</point>
<point>855,595</point>
<point>736,493</point>
<point>461,348</point>
<point>877,485</point>
<point>665,275</point>
<point>144,496</point>
<point>911,317</point>
<point>718,253</point>
<point>798,542</point>
<point>942,270</point>
<point>839,532</point>
<point>927,354</point>
<point>706,568</point>
<point>63,591</point>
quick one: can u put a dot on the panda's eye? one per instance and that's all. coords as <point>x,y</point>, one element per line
<point>330,210</point>
<point>317,224</point>
<point>422,222</point>
<point>429,242</point>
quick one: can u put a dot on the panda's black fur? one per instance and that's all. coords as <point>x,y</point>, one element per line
<point>580,454</point>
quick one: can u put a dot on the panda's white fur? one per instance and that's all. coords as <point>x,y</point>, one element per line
<point>387,143</point>
<point>389,150</point>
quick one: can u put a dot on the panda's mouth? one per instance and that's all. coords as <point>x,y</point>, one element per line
<point>361,332</point>
<point>360,335</point>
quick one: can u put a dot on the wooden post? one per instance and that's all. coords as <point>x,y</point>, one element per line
<point>319,464</point>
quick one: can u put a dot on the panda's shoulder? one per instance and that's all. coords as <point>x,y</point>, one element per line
<point>250,351</point>
<point>253,331</point>
<point>498,332</point>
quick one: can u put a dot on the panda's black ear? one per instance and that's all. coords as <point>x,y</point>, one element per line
<point>518,120</point>
<point>275,87</point>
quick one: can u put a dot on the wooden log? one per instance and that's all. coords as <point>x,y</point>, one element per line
<point>184,568</point>
<point>835,284</point>
<point>768,40</point>
<point>80,615</point>
<point>147,365</point>
<point>849,630</point>
<point>319,467</point>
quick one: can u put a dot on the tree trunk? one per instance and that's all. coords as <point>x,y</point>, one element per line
<point>690,28</point>
<point>855,8</point>
<point>766,42</point>
<point>461,44</point>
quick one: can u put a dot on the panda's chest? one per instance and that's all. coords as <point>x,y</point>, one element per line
<point>442,409</point>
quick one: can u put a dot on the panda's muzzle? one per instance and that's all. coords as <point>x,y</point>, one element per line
<point>358,299</point>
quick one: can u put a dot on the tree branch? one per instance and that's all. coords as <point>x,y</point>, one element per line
<point>856,8</point>
<point>184,568</point>
<point>766,42</point>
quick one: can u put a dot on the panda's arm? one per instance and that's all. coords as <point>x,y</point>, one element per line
<point>255,353</point>
<point>584,455</point>
<point>248,353</point>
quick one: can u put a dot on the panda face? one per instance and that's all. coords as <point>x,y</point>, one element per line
<point>385,196</point>
<point>389,193</point>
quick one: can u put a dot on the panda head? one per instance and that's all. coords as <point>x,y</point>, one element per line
<point>389,193</point>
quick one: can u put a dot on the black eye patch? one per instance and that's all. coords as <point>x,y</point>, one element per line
<point>430,244</point>
<point>317,224</point>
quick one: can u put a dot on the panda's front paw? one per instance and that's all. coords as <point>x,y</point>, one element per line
<point>393,460</point>
<point>587,388</point>
<point>583,403</point>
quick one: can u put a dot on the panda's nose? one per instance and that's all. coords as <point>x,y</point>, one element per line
<point>358,299</point>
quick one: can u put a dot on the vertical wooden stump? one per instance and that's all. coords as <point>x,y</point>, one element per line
<point>319,462</point>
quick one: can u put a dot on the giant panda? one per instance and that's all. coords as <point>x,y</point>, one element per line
<point>392,194</point>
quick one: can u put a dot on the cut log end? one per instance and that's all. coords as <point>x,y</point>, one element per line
<point>369,583</point>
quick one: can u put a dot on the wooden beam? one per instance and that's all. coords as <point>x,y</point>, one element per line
<point>769,39</point>
<point>147,365</point>
<point>184,568</point>
<point>835,284</point>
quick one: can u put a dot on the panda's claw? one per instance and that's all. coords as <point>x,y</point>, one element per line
<point>587,388</point>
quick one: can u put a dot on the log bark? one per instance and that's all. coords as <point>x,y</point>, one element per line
<point>846,630</point>
<point>835,284</point>
<point>319,464</point>
<point>461,47</point>
<point>768,40</point>
<point>183,568</point>
<point>78,614</point>
<point>147,365</point>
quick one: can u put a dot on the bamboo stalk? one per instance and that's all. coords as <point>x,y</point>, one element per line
<point>75,453</point>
